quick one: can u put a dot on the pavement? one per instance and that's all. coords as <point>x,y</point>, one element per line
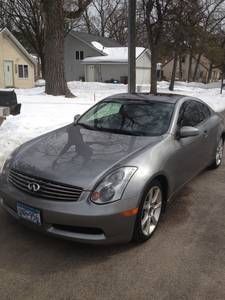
<point>185,258</point>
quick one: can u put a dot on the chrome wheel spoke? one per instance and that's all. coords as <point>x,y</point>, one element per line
<point>144,220</point>
<point>155,196</point>
<point>154,221</point>
<point>147,206</point>
<point>150,195</point>
<point>148,226</point>
<point>157,206</point>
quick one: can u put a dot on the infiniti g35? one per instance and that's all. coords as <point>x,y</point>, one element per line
<point>109,175</point>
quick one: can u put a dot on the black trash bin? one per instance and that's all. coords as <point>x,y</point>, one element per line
<point>9,99</point>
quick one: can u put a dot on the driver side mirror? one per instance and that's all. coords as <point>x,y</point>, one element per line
<point>76,118</point>
<point>188,131</point>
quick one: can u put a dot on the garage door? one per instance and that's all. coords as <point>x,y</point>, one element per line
<point>143,75</point>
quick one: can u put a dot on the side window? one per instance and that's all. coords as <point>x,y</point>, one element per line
<point>190,114</point>
<point>23,71</point>
<point>79,55</point>
<point>205,111</point>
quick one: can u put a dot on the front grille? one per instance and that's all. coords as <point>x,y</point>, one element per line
<point>48,189</point>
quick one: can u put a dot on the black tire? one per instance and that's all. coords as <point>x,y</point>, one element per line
<point>139,235</point>
<point>217,162</point>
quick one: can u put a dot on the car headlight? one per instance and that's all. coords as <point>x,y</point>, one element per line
<point>111,188</point>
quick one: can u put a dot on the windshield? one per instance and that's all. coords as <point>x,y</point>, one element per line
<point>144,118</point>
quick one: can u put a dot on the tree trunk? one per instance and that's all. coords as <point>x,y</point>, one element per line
<point>53,14</point>
<point>189,67</point>
<point>222,82</point>
<point>173,77</point>
<point>197,66</point>
<point>209,73</point>
<point>154,58</point>
<point>180,69</point>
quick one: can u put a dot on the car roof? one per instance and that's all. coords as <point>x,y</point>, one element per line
<point>160,97</point>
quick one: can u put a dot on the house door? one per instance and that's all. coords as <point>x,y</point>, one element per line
<point>8,73</point>
<point>91,73</point>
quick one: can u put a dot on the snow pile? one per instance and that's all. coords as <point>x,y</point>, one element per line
<point>42,113</point>
<point>114,54</point>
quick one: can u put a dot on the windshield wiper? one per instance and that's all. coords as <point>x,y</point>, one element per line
<point>119,131</point>
<point>86,126</point>
<point>111,130</point>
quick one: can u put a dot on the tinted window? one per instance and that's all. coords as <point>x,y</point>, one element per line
<point>205,111</point>
<point>193,113</point>
<point>143,118</point>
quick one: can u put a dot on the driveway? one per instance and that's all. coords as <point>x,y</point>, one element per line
<point>185,259</point>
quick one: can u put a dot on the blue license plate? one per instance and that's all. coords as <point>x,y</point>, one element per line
<point>29,213</point>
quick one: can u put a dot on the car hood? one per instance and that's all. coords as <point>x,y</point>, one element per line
<point>77,156</point>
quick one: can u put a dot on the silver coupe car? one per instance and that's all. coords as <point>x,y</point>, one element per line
<point>108,176</point>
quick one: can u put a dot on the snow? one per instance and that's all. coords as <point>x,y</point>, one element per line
<point>42,113</point>
<point>114,54</point>
<point>98,46</point>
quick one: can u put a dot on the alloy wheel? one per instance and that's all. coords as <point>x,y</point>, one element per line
<point>219,152</point>
<point>151,210</point>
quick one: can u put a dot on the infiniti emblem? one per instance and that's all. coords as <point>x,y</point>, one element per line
<point>33,187</point>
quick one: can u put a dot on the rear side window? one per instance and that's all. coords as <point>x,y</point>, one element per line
<point>192,113</point>
<point>205,111</point>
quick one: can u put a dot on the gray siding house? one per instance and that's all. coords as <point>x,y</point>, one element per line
<point>95,59</point>
<point>78,46</point>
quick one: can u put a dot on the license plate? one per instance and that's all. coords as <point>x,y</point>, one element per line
<point>29,213</point>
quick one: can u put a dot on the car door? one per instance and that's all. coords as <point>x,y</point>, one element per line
<point>189,154</point>
<point>210,129</point>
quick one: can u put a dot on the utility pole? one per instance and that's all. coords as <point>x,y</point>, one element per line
<point>132,47</point>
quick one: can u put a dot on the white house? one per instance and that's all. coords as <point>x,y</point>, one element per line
<point>112,65</point>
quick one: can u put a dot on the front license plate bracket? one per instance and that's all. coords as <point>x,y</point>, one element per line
<point>28,213</point>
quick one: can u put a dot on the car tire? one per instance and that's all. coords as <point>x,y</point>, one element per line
<point>150,211</point>
<point>219,155</point>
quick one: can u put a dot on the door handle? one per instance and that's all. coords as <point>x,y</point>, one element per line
<point>205,133</point>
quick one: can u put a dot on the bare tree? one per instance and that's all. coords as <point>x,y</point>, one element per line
<point>117,25</point>
<point>5,17</point>
<point>27,23</point>
<point>107,18</point>
<point>182,34</point>
<point>156,16</point>
<point>212,18</point>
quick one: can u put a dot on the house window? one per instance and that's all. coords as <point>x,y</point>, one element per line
<point>23,71</point>
<point>79,55</point>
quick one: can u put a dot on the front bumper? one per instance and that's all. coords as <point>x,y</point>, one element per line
<point>81,221</point>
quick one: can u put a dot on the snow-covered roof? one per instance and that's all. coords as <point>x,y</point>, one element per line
<point>111,54</point>
<point>88,38</point>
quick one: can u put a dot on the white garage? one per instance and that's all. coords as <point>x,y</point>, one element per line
<point>112,66</point>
